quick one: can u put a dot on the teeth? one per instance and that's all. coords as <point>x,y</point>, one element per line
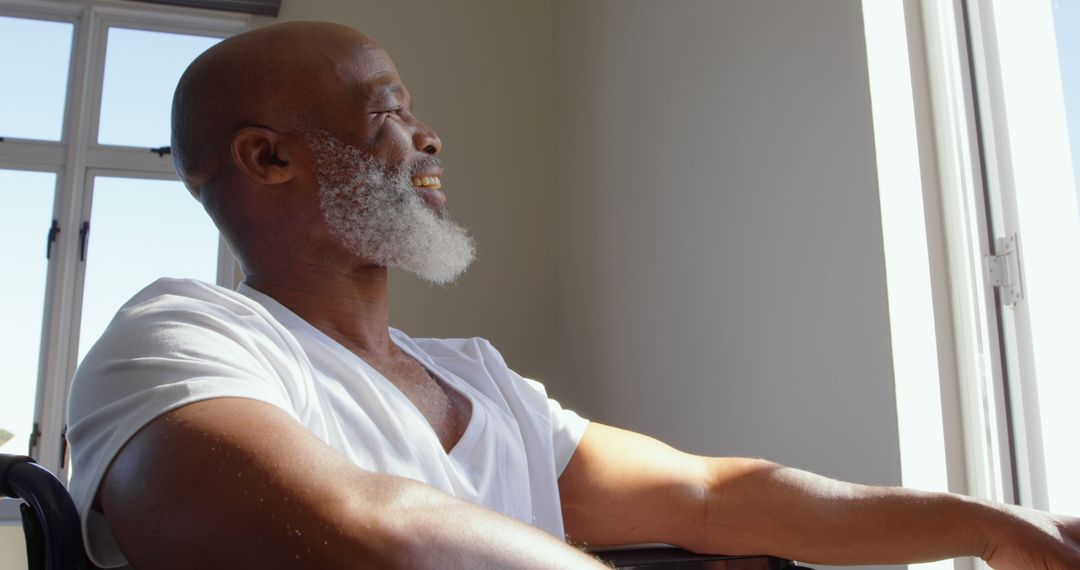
<point>433,182</point>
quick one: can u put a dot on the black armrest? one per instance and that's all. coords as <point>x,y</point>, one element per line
<point>664,557</point>
<point>50,520</point>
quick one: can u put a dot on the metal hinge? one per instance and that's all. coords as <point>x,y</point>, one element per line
<point>1003,270</point>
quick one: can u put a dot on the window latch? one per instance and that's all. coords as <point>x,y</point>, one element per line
<point>63,447</point>
<point>162,150</point>
<point>84,233</point>
<point>35,434</point>
<point>53,230</point>
<point>1003,270</point>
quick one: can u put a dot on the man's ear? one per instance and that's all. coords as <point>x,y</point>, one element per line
<point>263,155</point>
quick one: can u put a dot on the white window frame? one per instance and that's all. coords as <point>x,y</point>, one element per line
<point>979,352</point>
<point>1032,195</point>
<point>978,131</point>
<point>76,159</point>
<point>989,112</point>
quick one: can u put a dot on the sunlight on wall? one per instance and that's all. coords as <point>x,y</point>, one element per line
<point>907,267</point>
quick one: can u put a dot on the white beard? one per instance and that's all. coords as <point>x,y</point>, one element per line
<point>378,216</point>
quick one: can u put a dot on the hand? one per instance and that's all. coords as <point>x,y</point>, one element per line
<point>1034,540</point>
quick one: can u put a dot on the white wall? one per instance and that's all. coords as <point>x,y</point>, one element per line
<point>722,276</point>
<point>12,546</point>
<point>721,269</point>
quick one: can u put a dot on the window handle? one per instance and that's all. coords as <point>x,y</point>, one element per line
<point>35,434</point>
<point>63,447</point>
<point>84,234</point>
<point>53,230</point>
<point>162,150</point>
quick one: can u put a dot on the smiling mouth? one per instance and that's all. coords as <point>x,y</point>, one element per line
<point>429,182</point>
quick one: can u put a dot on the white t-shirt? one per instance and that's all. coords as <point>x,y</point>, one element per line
<point>181,341</point>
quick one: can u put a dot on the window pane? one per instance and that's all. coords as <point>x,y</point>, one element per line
<point>1059,394</point>
<point>141,72</point>
<point>1067,24</point>
<point>34,57</point>
<point>140,230</point>
<point>26,199</point>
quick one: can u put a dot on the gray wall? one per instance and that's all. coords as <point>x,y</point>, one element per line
<point>721,271</point>
<point>721,275</point>
<point>677,212</point>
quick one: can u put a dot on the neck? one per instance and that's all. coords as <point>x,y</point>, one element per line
<point>352,307</point>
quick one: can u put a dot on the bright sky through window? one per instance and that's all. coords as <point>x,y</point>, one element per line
<point>1059,396</point>
<point>141,71</point>
<point>141,229</point>
<point>34,57</point>
<point>26,200</point>
<point>1067,26</point>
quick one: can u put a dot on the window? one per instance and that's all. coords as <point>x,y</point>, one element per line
<point>141,71</point>
<point>91,204</point>
<point>130,218</point>
<point>26,198</point>
<point>996,101</point>
<point>1066,28</point>
<point>1005,90</point>
<point>1061,392</point>
<point>1034,224</point>
<point>34,64</point>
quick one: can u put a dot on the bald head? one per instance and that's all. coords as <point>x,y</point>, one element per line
<point>285,77</point>
<point>300,137</point>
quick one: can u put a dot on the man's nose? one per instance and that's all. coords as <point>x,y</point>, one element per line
<point>426,140</point>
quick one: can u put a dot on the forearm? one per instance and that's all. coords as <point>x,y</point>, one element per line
<point>621,488</point>
<point>755,506</point>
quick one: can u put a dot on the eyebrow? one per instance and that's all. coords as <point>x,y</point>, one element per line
<point>389,89</point>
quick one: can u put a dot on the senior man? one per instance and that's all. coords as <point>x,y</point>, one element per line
<point>287,425</point>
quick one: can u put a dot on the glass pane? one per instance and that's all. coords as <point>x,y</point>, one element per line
<point>26,199</point>
<point>1059,395</point>
<point>1067,24</point>
<point>34,57</point>
<point>140,230</point>
<point>141,72</point>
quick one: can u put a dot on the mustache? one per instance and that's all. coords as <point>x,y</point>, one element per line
<point>424,162</point>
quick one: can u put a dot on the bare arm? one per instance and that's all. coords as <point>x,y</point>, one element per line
<point>238,483</point>
<point>748,506</point>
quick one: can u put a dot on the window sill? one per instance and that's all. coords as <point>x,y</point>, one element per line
<point>9,511</point>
